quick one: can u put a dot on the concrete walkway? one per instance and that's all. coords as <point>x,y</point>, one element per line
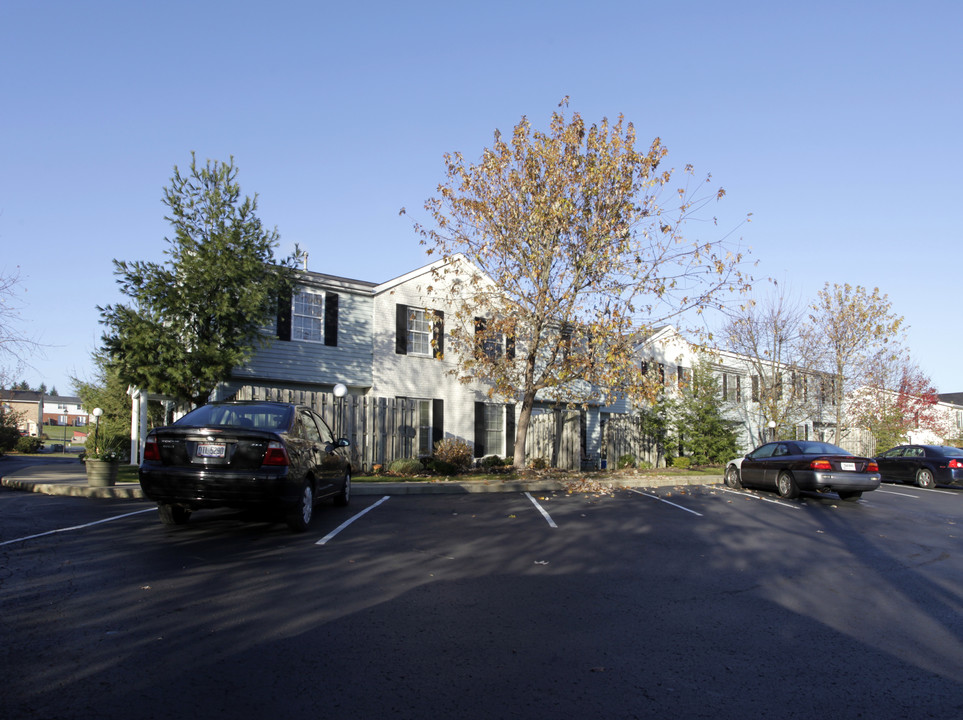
<point>70,479</point>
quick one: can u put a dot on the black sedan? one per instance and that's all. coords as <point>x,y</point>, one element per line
<point>260,455</point>
<point>789,466</point>
<point>924,465</point>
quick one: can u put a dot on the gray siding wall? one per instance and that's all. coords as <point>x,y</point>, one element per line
<point>311,363</point>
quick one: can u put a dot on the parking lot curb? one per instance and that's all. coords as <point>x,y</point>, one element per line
<point>67,481</point>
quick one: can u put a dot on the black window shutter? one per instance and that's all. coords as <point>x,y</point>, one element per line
<point>437,421</point>
<point>401,329</point>
<point>438,334</point>
<point>284,316</point>
<point>331,319</point>
<point>510,347</point>
<point>479,429</point>
<point>510,429</point>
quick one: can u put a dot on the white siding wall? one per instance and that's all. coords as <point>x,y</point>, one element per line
<point>396,375</point>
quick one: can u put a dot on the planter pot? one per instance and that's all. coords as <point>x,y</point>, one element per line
<point>101,473</point>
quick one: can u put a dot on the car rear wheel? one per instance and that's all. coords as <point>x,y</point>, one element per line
<point>173,514</point>
<point>854,495</point>
<point>732,478</point>
<point>299,519</point>
<point>786,486</point>
<point>925,479</point>
<point>344,497</point>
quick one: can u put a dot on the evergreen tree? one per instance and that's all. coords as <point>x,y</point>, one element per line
<point>194,318</point>
<point>701,430</point>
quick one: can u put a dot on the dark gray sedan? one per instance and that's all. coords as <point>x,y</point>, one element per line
<point>789,466</point>
<point>261,455</point>
<point>924,465</point>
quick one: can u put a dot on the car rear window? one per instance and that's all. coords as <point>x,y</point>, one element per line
<point>259,417</point>
<point>952,452</point>
<point>820,448</point>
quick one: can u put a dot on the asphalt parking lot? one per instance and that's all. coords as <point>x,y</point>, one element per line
<point>691,602</point>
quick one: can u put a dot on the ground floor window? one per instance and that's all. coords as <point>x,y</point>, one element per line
<point>494,429</point>
<point>423,427</point>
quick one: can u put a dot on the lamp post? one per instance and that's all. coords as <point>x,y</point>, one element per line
<point>340,390</point>
<point>772,430</point>
<point>97,413</point>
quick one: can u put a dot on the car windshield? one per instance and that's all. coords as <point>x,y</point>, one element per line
<point>820,448</point>
<point>276,418</point>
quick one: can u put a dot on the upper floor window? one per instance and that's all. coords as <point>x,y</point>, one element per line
<point>419,331</point>
<point>731,387</point>
<point>307,316</point>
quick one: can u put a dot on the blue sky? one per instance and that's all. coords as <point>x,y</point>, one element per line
<point>836,124</point>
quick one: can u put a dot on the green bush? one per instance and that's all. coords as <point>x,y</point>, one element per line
<point>406,466</point>
<point>9,436</point>
<point>626,461</point>
<point>441,467</point>
<point>683,463</point>
<point>644,465</point>
<point>454,451</point>
<point>29,444</point>
<point>538,463</point>
<point>490,461</point>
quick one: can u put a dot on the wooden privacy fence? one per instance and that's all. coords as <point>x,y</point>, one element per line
<point>558,437</point>
<point>623,435</point>
<point>381,430</point>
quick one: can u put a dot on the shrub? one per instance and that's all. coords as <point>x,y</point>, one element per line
<point>682,463</point>
<point>9,437</point>
<point>406,466</point>
<point>538,463</point>
<point>490,461</point>
<point>454,451</point>
<point>441,467</point>
<point>29,444</point>
<point>644,465</point>
<point>626,461</point>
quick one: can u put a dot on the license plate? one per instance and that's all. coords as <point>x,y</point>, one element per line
<point>210,450</point>
<point>849,467</point>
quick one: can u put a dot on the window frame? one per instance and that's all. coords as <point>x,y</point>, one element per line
<point>319,301</point>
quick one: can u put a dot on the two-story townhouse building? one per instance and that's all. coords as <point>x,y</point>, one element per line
<point>667,354</point>
<point>388,341</point>
<point>35,409</point>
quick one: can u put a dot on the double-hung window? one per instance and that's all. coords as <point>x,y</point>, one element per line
<point>419,332</point>
<point>307,316</point>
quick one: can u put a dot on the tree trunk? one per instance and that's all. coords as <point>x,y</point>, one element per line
<point>521,431</point>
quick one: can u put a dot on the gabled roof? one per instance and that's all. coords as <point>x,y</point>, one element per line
<point>21,395</point>
<point>454,260</point>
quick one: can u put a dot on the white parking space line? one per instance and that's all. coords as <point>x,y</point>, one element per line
<point>900,494</point>
<point>77,527</point>
<point>656,497</point>
<point>764,499</point>
<point>541,510</point>
<point>906,491</point>
<point>350,520</point>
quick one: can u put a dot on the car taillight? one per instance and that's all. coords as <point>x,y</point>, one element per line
<point>276,454</point>
<point>152,450</point>
<point>955,464</point>
<point>820,465</point>
<point>872,467</point>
